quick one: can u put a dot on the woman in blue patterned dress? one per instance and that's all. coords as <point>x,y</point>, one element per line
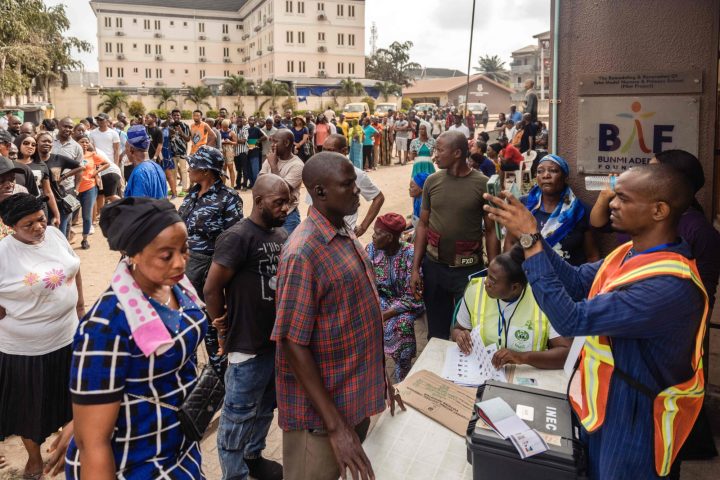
<point>134,358</point>
<point>392,263</point>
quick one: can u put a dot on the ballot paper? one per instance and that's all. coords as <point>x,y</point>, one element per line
<point>528,443</point>
<point>500,416</point>
<point>472,369</point>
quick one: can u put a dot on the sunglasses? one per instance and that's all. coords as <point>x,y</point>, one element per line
<point>31,144</point>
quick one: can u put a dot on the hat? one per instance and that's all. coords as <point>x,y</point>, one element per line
<point>207,158</point>
<point>102,116</point>
<point>5,136</point>
<point>7,166</point>
<point>392,222</point>
<point>91,121</point>
<point>138,137</point>
<point>298,117</point>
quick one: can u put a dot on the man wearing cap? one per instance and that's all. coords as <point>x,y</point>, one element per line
<point>147,178</point>
<point>105,138</point>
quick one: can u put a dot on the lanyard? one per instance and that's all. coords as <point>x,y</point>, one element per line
<point>502,325</point>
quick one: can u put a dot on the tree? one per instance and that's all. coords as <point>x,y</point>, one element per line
<point>198,96</point>
<point>273,89</point>
<point>349,88</point>
<point>388,88</point>
<point>493,68</point>
<point>165,95</point>
<point>237,85</point>
<point>113,101</point>
<point>136,108</point>
<point>392,64</point>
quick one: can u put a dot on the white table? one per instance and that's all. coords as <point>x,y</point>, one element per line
<point>414,447</point>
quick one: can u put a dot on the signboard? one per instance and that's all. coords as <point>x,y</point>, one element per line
<point>617,133</point>
<point>640,83</point>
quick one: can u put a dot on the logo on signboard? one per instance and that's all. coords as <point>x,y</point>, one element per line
<point>611,139</point>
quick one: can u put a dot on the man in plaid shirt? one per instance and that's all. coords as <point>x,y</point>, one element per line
<point>329,362</point>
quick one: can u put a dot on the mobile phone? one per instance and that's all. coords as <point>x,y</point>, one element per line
<point>494,188</point>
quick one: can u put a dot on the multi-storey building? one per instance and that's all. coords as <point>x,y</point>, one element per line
<point>533,62</point>
<point>177,43</point>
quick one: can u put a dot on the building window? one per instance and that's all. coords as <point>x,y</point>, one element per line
<point>519,80</point>
<point>321,65</point>
<point>172,48</point>
<point>148,49</point>
<point>341,39</point>
<point>289,37</point>
<point>119,48</point>
<point>340,10</point>
<point>134,46</point>
<point>186,71</point>
<point>351,68</point>
<point>157,24</point>
<point>185,48</point>
<point>301,66</point>
<point>185,25</point>
<point>202,51</point>
<point>172,23</point>
<point>202,74</point>
<point>351,39</point>
<point>226,52</point>
<point>225,28</point>
<point>301,7</point>
<point>118,22</point>
<point>135,70</point>
<point>201,27</point>
<point>301,37</point>
<point>290,66</point>
<point>226,73</point>
<point>158,73</point>
<point>108,22</point>
<point>351,10</point>
<point>108,47</point>
<point>172,71</point>
<point>321,6</point>
<point>341,68</point>
<point>321,36</point>
<point>108,72</point>
<point>288,6</point>
<point>158,49</point>
<point>148,73</point>
<point>146,24</point>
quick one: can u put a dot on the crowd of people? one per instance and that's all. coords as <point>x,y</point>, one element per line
<point>295,314</point>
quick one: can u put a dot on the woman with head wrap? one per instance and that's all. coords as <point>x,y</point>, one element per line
<point>562,218</point>
<point>392,263</point>
<point>40,302</point>
<point>134,358</point>
<point>416,188</point>
<point>355,137</point>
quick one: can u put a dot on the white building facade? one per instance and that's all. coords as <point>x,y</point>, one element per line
<point>177,44</point>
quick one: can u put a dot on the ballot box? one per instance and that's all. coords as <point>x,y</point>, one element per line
<point>549,413</point>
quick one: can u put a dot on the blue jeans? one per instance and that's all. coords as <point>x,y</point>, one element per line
<point>292,221</point>
<point>65,223</point>
<point>247,413</point>
<point>254,161</point>
<point>87,202</point>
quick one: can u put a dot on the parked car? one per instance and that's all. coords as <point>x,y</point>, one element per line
<point>353,111</point>
<point>382,109</point>
<point>424,107</point>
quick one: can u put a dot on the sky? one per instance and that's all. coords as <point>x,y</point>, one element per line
<point>439,29</point>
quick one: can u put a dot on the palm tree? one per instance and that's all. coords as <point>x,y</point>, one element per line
<point>493,68</point>
<point>349,88</point>
<point>198,96</point>
<point>113,101</point>
<point>237,85</point>
<point>273,89</point>
<point>165,95</point>
<point>388,88</point>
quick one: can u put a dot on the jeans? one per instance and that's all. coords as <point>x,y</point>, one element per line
<point>292,221</point>
<point>87,202</point>
<point>443,288</point>
<point>65,223</point>
<point>254,165</point>
<point>368,159</point>
<point>247,413</point>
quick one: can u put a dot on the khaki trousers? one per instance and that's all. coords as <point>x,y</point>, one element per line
<point>309,455</point>
<point>181,165</point>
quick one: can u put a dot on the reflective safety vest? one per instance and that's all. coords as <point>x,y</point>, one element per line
<point>527,321</point>
<point>676,407</point>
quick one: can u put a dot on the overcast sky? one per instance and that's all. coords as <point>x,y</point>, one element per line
<point>440,29</point>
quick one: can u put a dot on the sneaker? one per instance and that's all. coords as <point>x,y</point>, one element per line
<point>92,230</point>
<point>182,194</point>
<point>84,245</point>
<point>264,469</point>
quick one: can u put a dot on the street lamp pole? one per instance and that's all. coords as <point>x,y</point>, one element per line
<point>467,87</point>
<point>542,70</point>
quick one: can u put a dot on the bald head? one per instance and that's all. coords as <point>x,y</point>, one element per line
<point>335,143</point>
<point>269,183</point>
<point>283,140</point>
<point>330,179</point>
<point>28,128</point>
<point>271,200</point>
<point>322,167</point>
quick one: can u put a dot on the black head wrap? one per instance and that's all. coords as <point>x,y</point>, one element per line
<point>20,205</point>
<point>132,223</point>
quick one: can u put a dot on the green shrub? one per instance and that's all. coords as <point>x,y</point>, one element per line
<point>406,104</point>
<point>212,114</point>
<point>186,114</point>
<point>161,113</point>
<point>136,108</point>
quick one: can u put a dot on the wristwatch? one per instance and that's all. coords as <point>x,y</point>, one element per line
<point>527,240</point>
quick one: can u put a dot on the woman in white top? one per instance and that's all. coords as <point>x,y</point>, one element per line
<point>40,302</point>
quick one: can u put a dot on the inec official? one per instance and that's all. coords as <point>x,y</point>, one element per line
<point>639,385</point>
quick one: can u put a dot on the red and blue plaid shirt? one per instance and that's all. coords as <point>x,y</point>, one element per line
<point>327,300</point>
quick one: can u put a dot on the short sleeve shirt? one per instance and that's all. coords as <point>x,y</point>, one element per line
<point>178,145</point>
<point>327,301</point>
<point>252,252</point>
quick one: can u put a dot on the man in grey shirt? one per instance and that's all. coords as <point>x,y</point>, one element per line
<point>269,130</point>
<point>531,100</point>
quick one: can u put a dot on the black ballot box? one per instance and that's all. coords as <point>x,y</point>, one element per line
<point>547,412</point>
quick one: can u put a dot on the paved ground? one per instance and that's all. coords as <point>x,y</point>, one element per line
<point>98,262</point>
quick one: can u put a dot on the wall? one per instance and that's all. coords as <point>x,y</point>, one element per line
<point>610,36</point>
<point>497,99</point>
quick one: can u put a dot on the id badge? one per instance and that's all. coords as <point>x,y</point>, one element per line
<point>520,339</point>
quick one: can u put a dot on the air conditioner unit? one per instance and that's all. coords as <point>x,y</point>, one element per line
<point>240,50</point>
<point>246,36</point>
<point>120,34</point>
<point>322,49</point>
<point>226,38</point>
<point>201,37</point>
<point>270,48</point>
<point>240,26</point>
<point>159,84</point>
<point>158,35</point>
<point>227,60</point>
<point>158,57</point>
<point>257,28</point>
<point>246,59</point>
<point>121,56</point>
<point>322,16</point>
<point>203,59</point>
<point>259,52</point>
<point>122,82</point>
<point>321,73</point>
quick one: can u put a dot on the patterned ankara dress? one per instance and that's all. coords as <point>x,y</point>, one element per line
<point>392,277</point>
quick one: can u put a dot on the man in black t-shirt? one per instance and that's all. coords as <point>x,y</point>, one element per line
<point>529,129</point>
<point>156,137</point>
<point>243,278</point>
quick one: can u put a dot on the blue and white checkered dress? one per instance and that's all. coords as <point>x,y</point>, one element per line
<point>107,366</point>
